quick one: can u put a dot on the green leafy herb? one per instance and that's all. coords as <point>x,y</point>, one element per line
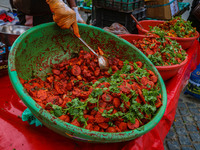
<point>92,100</point>
<point>56,110</point>
<point>110,71</point>
<point>124,97</point>
<point>97,92</point>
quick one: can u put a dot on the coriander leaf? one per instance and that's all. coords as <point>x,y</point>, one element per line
<point>92,100</point>
<point>114,89</point>
<point>124,97</point>
<point>148,109</point>
<point>110,71</point>
<point>97,92</point>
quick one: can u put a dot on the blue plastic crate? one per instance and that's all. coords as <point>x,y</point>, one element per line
<point>182,5</point>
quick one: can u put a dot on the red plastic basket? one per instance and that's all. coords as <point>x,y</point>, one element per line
<point>184,42</point>
<point>166,72</point>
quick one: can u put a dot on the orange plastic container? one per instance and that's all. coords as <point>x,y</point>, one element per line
<point>184,42</point>
<point>166,72</point>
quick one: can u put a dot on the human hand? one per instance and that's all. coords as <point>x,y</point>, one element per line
<point>78,16</point>
<point>64,16</point>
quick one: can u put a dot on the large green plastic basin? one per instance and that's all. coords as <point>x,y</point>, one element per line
<point>45,44</point>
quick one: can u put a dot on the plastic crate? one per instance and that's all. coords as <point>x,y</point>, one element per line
<point>139,14</point>
<point>182,6</point>
<point>105,18</point>
<point>119,5</point>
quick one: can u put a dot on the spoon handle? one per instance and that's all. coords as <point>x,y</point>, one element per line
<point>136,21</point>
<point>88,46</point>
<point>85,43</point>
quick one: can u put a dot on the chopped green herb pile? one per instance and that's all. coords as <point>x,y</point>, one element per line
<point>177,27</point>
<point>161,50</point>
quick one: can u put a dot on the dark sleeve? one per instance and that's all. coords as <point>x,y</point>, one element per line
<point>40,7</point>
<point>194,4</point>
<point>32,7</point>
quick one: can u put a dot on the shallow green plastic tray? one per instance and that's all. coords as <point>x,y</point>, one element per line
<point>43,45</point>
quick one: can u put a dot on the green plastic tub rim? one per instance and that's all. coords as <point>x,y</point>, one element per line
<point>70,130</point>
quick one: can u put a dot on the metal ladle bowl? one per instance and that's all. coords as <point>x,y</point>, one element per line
<point>103,62</point>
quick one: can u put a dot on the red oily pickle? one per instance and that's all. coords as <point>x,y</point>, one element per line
<point>111,129</point>
<point>133,125</point>
<point>162,51</point>
<point>107,97</point>
<point>76,70</point>
<point>78,92</point>
<point>122,126</point>
<point>116,102</point>
<point>76,123</point>
<point>89,126</point>
<point>104,125</point>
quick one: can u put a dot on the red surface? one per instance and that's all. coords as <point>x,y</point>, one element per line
<point>6,18</point>
<point>165,71</point>
<point>14,133</point>
<point>184,42</point>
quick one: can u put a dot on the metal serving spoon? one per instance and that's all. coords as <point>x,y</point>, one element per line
<point>103,62</point>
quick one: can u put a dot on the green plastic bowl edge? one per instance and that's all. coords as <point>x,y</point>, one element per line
<point>86,135</point>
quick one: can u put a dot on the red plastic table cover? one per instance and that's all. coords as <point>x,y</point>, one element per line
<point>19,135</point>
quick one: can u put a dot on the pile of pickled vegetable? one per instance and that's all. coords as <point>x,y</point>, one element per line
<point>177,27</point>
<point>161,50</point>
<point>123,98</point>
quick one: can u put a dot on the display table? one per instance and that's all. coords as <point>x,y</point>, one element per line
<point>19,135</point>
